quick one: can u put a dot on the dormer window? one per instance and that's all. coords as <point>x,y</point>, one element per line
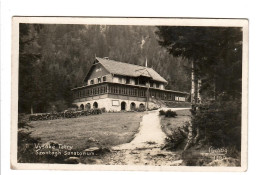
<point>104,78</point>
<point>91,81</point>
<point>99,80</point>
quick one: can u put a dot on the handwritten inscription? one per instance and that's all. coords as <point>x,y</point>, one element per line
<point>59,149</point>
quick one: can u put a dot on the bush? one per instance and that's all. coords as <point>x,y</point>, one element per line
<point>170,113</point>
<point>141,109</point>
<point>65,114</point>
<point>103,110</point>
<point>162,112</point>
<point>177,138</point>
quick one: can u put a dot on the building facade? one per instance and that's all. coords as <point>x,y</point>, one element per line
<point>118,86</point>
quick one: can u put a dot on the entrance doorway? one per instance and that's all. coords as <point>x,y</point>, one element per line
<point>132,106</point>
<point>95,105</point>
<point>82,107</point>
<point>123,106</point>
<point>88,106</point>
<point>141,106</point>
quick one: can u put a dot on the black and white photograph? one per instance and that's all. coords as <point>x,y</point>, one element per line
<point>129,93</point>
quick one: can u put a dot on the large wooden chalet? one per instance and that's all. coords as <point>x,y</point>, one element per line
<point>119,86</point>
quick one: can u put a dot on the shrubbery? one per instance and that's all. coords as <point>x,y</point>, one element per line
<point>219,123</point>
<point>168,113</point>
<point>65,114</point>
<point>178,138</point>
<point>140,109</point>
<point>162,112</point>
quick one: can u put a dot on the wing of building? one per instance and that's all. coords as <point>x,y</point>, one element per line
<point>119,86</point>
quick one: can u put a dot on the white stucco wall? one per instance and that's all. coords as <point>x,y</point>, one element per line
<point>115,79</point>
<point>161,86</point>
<point>107,103</point>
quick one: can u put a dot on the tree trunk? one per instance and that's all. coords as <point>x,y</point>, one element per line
<point>31,109</point>
<point>190,137</point>
<point>197,135</point>
<point>192,83</point>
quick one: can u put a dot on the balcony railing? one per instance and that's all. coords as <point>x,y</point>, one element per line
<point>126,90</point>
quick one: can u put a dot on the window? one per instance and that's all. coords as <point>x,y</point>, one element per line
<point>104,78</point>
<point>169,96</point>
<point>157,85</point>
<point>151,84</point>
<point>127,80</point>
<point>91,81</point>
<point>142,93</point>
<point>99,80</point>
<point>136,81</point>
<point>124,91</point>
<point>135,92</point>
<point>130,92</point>
<point>142,81</point>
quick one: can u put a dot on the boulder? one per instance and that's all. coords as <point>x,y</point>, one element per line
<point>72,160</point>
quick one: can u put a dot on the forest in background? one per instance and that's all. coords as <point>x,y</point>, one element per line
<point>55,58</point>
<point>216,56</point>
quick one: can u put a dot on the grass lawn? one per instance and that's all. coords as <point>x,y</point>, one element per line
<point>106,129</point>
<point>170,124</point>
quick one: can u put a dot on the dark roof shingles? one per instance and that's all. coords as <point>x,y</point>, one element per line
<point>120,68</point>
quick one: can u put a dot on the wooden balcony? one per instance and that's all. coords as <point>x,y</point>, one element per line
<point>127,90</point>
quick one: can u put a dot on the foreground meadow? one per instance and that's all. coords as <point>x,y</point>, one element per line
<point>104,130</point>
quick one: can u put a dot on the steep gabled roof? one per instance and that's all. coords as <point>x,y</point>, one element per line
<point>131,70</point>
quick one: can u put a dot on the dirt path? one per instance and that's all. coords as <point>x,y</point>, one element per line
<point>145,148</point>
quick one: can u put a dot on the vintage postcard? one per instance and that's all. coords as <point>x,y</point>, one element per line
<point>156,94</point>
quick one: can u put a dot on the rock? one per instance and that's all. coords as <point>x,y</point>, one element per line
<point>177,163</point>
<point>91,139</point>
<point>97,150</point>
<point>225,162</point>
<point>92,149</point>
<point>161,155</point>
<point>134,152</point>
<point>72,160</point>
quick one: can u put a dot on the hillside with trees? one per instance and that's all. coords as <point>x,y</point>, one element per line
<point>55,58</point>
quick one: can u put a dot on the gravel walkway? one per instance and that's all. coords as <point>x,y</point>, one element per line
<point>145,148</point>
